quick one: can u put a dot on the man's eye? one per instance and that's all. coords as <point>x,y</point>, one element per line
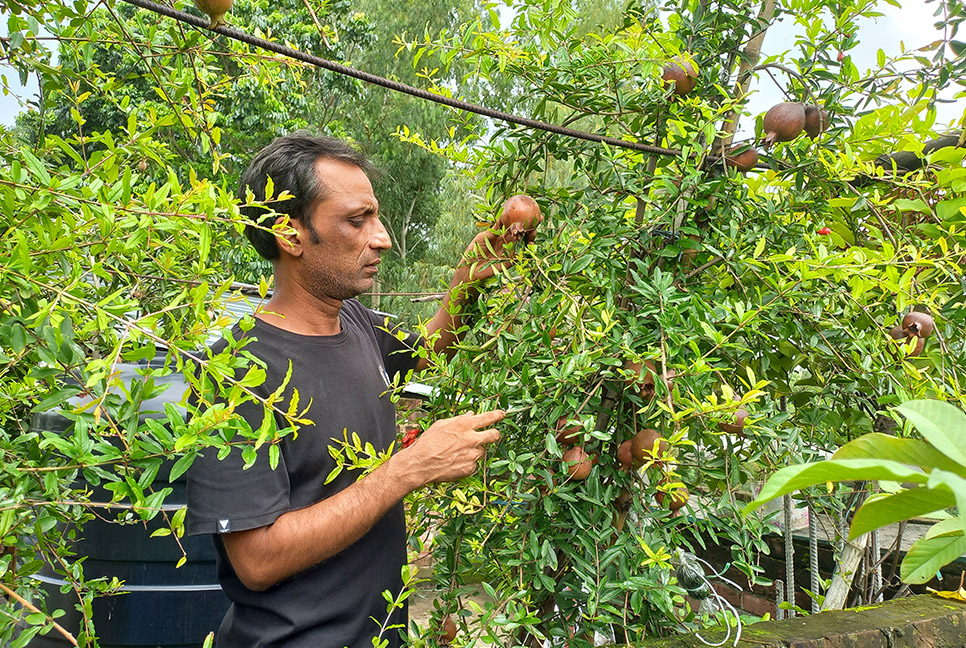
<point>356,222</point>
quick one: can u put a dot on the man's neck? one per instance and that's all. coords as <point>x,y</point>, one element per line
<point>293,309</point>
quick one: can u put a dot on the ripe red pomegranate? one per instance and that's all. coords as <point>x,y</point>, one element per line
<point>744,161</point>
<point>521,216</point>
<point>674,499</point>
<point>898,333</point>
<point>578,463</point>
<point>216,10</point>
<point>567,435</point>
<point>784,122</point>
<point>919,324</point>
<point>737,424</point>
<point>648,446</point>
<point>816,121</point>
<point>682,73</point>
<point>447,630</point>
<point>625,457</point>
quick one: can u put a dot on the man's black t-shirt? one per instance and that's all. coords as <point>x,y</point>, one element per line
<point>346,378</point>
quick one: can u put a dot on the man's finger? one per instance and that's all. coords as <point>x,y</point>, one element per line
<point>486,437</point>
<point>486,419</point>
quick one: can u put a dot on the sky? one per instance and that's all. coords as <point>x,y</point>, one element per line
<point>913,25</point>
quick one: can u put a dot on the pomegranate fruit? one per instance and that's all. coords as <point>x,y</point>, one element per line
<point>216,10</point>
<point>918,324</point>
<point>744,161</point>
<point>625,457</point>
<point>673,499</point>
<point>737,424</point>
<point>784,122</point>
<point>816,121</point>
<point>682,74</point>
<point>898,333</point>
<point>648,446</point>
<point>447,630</point>
<point>521,216</point>
<point>578,463</point>
<point>633,371</point>
<point>568,435</point>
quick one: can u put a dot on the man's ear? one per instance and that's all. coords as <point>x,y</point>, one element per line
<point>288,235</point>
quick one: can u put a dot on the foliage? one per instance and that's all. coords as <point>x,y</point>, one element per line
<point>120,236</point>
<point>722,280</point>
<point>923,478</point>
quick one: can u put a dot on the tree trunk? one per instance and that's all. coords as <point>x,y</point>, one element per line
<point>748,61</point>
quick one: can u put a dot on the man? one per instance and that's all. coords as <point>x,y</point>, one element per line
<point>306,563</point>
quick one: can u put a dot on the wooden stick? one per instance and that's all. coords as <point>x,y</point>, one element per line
<point>30,606</point>
<point>748,62</point>
<point>844,572</point>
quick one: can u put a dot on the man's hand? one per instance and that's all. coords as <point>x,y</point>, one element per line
<point>451,448</point>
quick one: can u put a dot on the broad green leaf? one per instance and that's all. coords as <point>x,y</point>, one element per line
<point>927,556</point>
<point>955,483</point>
<point>906,451</point>
<point>793,478</point>
<point>941,424</point>
<point>950,525</point>
<point>880,511</point>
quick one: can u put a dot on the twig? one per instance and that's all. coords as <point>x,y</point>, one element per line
<point>30,606</point>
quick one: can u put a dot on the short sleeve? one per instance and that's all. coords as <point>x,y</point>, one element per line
<point>224,496</point>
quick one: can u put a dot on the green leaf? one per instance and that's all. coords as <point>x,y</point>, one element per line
<point>181,465</point>
<point>940,478</point>
<point>880,511</point>
<point>793,478</point>
<point>925,557</point>
<point>941,424</point>
<point>912,452</point>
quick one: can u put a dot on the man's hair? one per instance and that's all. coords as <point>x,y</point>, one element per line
<point>290,162</point>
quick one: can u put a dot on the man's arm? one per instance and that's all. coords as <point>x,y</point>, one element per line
<point>481,260</point>
<point>449,450</point>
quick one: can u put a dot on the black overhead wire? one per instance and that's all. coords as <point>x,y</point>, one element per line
<point>394,85</point>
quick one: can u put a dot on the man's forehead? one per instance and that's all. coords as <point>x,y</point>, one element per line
<point>347,183</point>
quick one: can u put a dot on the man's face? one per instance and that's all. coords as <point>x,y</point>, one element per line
<point>351,236</point>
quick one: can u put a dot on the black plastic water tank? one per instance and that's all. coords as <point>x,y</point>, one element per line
<point>162,604</point>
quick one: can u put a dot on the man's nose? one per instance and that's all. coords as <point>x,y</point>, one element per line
<point>380,239</point>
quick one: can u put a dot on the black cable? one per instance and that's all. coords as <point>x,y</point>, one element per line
<point>394,85</point>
